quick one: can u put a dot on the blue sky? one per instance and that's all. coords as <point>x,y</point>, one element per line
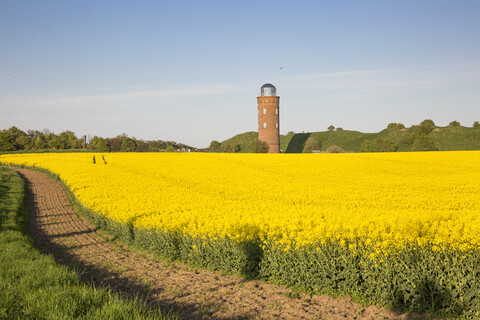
<point>190,71</point>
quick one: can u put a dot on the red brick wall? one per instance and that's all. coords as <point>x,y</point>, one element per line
<point>270,134</point>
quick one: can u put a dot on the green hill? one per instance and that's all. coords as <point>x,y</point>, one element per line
<point>241,140</point>
<point>445,139</point>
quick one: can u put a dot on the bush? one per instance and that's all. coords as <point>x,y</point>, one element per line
<point>420,133</point>
<point>476,125</point>
<point>427,125</point>
<point>230,148</point>
<point>454,124</point>
<point>258,146</point>
<point>396,126</point>
<point>334,149</point>
<point>379,145</point>
<point>424,143</point>
<point>310,145</point>
<point>331,128</point>
<point>214,146</point>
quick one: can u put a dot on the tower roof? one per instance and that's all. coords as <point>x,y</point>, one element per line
<point>268,85</point>
<point>268,89</point>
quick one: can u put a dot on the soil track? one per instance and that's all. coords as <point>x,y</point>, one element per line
<point>193,293</point>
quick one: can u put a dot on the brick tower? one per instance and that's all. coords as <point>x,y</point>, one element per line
<point>268,117</point>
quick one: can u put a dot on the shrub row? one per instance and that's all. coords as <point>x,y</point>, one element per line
<point>415,278</point>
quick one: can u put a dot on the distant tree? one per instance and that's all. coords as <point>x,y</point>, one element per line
<point>334,149</point>
<point>143,146</point>
<point>257,146</point>
<point>214,146</point>
<point>15,132</point>
<point>476,125</point>
<point>55,142</point>
<point>419,132</point>
<point>24,142</point>
<point>39,141</point>
<point>99,144</point>
<point>115,144</point>
<point>427,124</point>
<point>158,145</point>
<point>128,144</point>
<point>396,126</point>
<point>339,129</point>
<point>423,143</point>
<point>310,145</point>
<point>290,132</point>
<point>454,123</point>
<point>69,140</point>
<point>379,145</point>
<point>331,128</point>
<point>170,148</point>
<point>7,142</point>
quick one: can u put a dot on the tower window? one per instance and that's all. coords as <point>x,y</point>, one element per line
<point>276,125</point>
<point>276,111</point>
<point>264,125</point>
<point>264,111</point>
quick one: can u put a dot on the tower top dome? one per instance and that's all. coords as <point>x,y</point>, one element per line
<point>268,89</point>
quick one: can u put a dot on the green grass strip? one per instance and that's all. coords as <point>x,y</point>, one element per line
<point>34,286</point>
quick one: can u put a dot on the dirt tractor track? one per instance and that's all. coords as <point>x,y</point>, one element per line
<point>192,293</point>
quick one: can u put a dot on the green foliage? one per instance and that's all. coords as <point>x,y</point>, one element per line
<point>428,124</point>
<point>33,286</point>
<point>444,139</point>
<point>214,146</point>
<point>7,142</point>
<point>417,278</point>
<point>454,124</point>
<point>476,125</point>
<point>230,147</point>
<point>419,138</point>
<point>258,146</point>
<point>128,144</point>
<point>379,145</point>
<point>170,148</point>
<point>311,144</point>
<point>241,140</point>
<point>339,129</point>
<point>423,143</point>
<point>334,149</point>
<point>396,126</point>
<point>331,128</point>
<point>99,144</point>
<point>15,139</point>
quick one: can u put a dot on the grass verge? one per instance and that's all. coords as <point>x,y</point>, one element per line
<point>34,286</point>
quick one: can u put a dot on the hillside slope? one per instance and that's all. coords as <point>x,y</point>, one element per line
<point>445,139</point>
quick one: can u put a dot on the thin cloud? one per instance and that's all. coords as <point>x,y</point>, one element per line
<point>65,101</point>
<point>418,76</point>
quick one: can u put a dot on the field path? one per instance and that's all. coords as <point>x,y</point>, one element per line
<point>193,293</point>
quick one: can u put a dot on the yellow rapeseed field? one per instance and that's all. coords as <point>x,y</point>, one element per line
<point>388,199</point>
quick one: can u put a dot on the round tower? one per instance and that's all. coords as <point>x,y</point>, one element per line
<point>268,117</point>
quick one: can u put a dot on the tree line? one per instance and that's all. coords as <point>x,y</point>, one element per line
<point>14,139</point>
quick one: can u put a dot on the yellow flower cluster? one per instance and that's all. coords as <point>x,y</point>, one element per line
<point>389,199</point>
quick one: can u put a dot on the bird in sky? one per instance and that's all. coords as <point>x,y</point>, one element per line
<point>281,67</point>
